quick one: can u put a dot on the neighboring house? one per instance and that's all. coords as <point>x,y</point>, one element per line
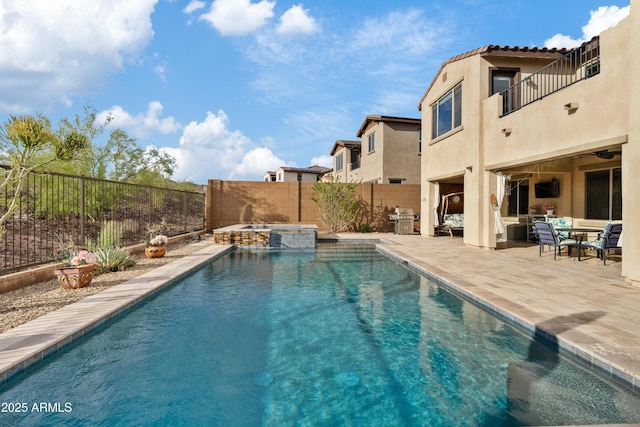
<point>388,152</point>
<point>567,121</point>
<point>287,174</point>
<point>346,159</point>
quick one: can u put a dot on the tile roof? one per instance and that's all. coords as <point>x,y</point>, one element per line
<point>345,143</point>
<point>377,118</point>
<point>316,169</point>
<point>497,50</point>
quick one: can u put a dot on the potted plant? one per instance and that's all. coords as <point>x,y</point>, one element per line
<point>534,209</point>
<point>549,209</point>
<point>156,248</point>
<point>77,271</point>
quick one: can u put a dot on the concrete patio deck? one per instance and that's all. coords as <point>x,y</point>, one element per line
<point>588,307</point>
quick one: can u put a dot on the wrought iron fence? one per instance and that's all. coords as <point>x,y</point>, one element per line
<point>55,210</point>
<point>578,64</point>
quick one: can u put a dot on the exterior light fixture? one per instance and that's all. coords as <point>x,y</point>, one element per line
<point>506,131</point>
<point>470,168</point>
<point>571,107</point>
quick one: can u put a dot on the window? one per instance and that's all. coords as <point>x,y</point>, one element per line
<point>446,113</point>
<point>501,80</point>
<point>396,180</point>
<point>339,162</point>
<point>372,142</point>
<point>518,197</point>
<point>603,194</point>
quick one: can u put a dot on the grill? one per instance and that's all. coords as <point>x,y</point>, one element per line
<point>403,221</point>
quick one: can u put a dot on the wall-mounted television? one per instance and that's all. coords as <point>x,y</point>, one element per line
<point>547,190</point>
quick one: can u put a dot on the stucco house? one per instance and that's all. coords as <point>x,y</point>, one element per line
<point>388,152</point>
<point>561,127</point>
<point>286,174</point>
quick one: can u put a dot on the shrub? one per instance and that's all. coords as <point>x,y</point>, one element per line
<point>113,259</point>
<point>110,236</point>
<point>337,204</point>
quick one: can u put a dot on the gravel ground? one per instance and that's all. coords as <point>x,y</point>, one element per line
<point>22,305</point>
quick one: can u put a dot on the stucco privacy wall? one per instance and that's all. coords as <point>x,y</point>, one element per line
<point>257,202</point>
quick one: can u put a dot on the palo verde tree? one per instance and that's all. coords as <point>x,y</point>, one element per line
<point>120,158</point>
<point>28,143</point>
<point>338,205</point>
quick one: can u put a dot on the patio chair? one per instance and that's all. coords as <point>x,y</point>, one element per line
<point>547,235</point>
<point>607,240</point>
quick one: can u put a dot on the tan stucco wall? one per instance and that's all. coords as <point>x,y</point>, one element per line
<point>631,151</point>
<point>400,146</point>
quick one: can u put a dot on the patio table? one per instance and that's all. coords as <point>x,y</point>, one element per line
<point>579,234</point>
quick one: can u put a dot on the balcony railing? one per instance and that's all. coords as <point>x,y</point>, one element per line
<point>578,64</point>
<point>355,165</point>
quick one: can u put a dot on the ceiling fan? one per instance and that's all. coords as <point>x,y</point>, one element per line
<point>606,154</point>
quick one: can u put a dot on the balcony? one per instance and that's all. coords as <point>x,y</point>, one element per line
<point>581,63</point>
<point>355,165</point>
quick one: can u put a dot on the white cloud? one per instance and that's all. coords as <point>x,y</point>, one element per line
<point>142,124</point>
<point>323,160</point>
<point>238,17</point>
<point>52,51</point>
<point>408,33</point>
<point>210,150</point>
<point>193,6</point>
<point>296,20</point>
<point>255,163</point>
<point>601,19</point>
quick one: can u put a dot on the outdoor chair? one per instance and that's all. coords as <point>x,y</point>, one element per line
<point>607,240</point>
<point>547,235</point>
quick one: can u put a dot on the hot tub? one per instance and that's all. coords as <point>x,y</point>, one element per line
<point>293,236</point>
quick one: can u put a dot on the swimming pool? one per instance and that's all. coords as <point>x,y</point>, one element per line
<point>311,337</point>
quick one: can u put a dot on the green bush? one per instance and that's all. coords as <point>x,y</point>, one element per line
<point>113,259</point>
<point>110,236</point>
<point>337,204</point>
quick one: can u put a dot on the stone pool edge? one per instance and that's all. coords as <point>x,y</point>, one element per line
<point>31,342</point>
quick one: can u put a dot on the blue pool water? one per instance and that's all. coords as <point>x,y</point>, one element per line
<point>322,337</point>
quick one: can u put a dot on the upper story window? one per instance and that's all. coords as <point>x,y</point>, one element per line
<point>446,113</point>
<point>339,162</point>
<point>372,142</point>
<point>502,79</point>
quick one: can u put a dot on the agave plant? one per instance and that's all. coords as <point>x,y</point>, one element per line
<point>113,259</point>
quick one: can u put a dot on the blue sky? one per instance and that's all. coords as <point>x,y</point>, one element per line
<point>233,88</point>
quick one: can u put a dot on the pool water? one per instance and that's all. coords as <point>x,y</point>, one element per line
<point>311,337</point>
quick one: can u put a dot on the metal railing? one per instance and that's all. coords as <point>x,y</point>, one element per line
<point>55,210</point>
<point>578,64</point>
<point>355,165</point>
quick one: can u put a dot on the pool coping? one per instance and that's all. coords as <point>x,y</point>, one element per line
<point>31,342</point>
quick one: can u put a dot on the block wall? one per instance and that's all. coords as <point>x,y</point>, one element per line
<point>258,202</point>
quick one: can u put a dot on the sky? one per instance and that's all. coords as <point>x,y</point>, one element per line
<point>234,88</point>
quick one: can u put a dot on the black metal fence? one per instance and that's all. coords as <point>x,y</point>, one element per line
<point>578,64</point>
<point>56,210</point>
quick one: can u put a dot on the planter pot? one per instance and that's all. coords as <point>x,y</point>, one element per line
<point>549,212</point>
<point>155,251</point>
<point>75,277</point>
